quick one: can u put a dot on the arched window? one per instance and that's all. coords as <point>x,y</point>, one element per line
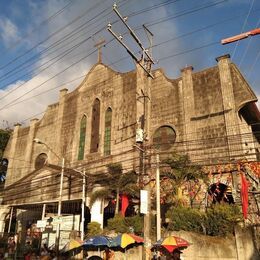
<point>82,137</point>
<point>107,137</point>
<point>40,161</point>
<point>164,137</point>
<point>220,192</point>
<point>95,126</point>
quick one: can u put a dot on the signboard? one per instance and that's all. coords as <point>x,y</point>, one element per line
<point>67,224</point>
<point>144,201</point>
<point>57,220</point>
<point>41,223</point>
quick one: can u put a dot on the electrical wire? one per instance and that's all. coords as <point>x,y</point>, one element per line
<point>243,27</point>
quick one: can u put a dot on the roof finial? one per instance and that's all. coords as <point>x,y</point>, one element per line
<point>99,46</point>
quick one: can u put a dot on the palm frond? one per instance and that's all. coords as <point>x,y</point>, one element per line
<point>99,194</point>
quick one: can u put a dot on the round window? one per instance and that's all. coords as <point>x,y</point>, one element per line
<point>40,161</point>
<point>164,138</point>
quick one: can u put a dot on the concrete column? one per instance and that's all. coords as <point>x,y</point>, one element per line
<point>28,164</point>
<point>230,114</point>
<point>188,105</point>
<point>11,157</point>
<point>97,209</point>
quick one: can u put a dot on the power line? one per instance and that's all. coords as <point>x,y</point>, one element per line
<point>51,35</point>
<point>26,35</point>
<point>243,27</point>
<point>157,22</point>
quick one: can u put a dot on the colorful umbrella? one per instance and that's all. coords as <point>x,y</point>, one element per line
<point>98,241</point>
<point>72,244</point>
<point>172,242</point>
<point>124,240</point>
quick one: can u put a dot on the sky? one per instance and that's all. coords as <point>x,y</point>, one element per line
<point>48,45</point>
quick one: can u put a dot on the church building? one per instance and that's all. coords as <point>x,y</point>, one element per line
<point>114,117</point>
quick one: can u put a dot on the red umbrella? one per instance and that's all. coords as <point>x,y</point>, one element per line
<point>172,242</point>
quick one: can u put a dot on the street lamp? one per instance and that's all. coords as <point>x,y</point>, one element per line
<point>83,175</point>
<point>38,141</point>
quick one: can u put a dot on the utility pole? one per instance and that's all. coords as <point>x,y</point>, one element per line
<point>119,38</point>
<point>83,205</point>
<point>240,36</point>
<point>158,199</point>
<point>57,240</point>
<point>145,63</point>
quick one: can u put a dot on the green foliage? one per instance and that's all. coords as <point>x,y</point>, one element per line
<point>99,194</point>
<point>117,182</point>
<point>183,170</point>
<point>221,219</point>
<point>180,170</point>
<point>187,219</point>
<point>93,229</point>
<point>217,221</point>
<point>4,137</point>
<point>121,224</point>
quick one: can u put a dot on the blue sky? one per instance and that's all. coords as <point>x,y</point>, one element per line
<point>48,45</point>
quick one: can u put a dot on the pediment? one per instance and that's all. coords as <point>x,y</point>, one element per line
<point>98,74</point>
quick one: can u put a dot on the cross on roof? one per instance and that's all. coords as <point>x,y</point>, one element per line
<point>99,46</point>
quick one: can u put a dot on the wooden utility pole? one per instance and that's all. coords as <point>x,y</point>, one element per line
<point>145,63</point>
<point>240,36</point>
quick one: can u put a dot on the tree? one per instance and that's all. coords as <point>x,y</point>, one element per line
<point>181,171</point>
<point>4,137</point>
<point>116,182</point>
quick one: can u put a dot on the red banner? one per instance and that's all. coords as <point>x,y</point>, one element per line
<point>244,195</point>
<point>125,203</point>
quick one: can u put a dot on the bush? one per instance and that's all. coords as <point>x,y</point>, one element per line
<point>187,219</point>
<point>217,221</point>
<point>93,229</point>
<point>221,219</point>
<point>122,224</point>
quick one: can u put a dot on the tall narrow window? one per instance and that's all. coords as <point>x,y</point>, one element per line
<point>107,137</point>
<point>95,126</point>
<point>82,137</point>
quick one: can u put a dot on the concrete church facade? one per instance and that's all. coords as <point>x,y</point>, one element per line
<point>210,115</point>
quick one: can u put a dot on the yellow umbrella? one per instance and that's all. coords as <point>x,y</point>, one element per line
<point>74,244</point>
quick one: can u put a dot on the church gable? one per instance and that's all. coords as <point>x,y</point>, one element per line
<point>96,77</point>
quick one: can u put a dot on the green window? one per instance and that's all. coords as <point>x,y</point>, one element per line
<point>82,137</point>
<point>107,138</point>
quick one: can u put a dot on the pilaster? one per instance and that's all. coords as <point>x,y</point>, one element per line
<point>188,105</point>
<point>11,159</point>
<point>59,146</point>
<point>29,146</point>
<point>230,115</point>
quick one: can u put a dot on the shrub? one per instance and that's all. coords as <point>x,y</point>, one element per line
<point>217,221</point>
<point>122,224</point>
<point>93,229</point>
<point>188,219</point>
<point>221,219</point>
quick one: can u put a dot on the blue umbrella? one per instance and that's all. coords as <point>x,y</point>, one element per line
<point>98,241</point>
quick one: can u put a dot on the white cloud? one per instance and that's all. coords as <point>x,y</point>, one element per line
<point>8,31</point>
<point>36,101</point>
